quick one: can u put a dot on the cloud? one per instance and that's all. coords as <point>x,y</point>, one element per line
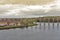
<point>33,2</point>
<point>20,10</point>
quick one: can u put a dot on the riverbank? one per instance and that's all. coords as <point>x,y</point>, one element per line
<point>26,22</point>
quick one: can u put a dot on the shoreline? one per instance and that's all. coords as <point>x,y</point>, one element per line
<point>26,22</point>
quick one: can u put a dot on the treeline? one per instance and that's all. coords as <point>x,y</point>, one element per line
<point>49,19</point>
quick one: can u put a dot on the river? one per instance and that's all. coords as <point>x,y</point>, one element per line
<point>39,32</point>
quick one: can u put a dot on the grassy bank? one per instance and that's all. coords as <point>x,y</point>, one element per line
<point>13,27</point>
<point>24,22</point>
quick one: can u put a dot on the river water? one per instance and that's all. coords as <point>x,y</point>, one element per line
<point>39,32</point>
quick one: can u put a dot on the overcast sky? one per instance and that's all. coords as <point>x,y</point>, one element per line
<point>33,9</point>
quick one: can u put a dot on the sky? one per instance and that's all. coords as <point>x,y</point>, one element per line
<point>26,1</point>
<point>31,8</point>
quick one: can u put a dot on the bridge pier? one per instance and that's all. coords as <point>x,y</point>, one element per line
<point>40,23</point>
<point>53,23</point>
<point>44,24</point>
<point>57,24</point>
<point>48,24</point>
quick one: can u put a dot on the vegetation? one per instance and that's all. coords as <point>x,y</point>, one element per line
<point>24,22</point>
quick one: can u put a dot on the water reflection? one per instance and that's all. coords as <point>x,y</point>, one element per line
<point>35,27</point>
<point>53,25</point>
<point>44,26</point>
<point>47,26</point>
<point>40,27</point>
<point>57,26</point>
